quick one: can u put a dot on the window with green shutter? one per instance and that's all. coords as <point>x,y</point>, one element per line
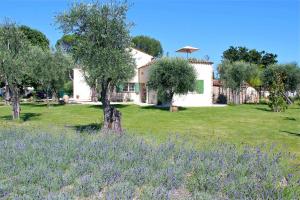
<point>130,87</point>
<point>119,88</point>
<point>200,86</point>
<point>137,88</point>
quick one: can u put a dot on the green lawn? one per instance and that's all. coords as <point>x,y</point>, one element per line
<point>245,124</point>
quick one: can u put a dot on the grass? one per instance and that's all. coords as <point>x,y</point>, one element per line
<point>244,124</point>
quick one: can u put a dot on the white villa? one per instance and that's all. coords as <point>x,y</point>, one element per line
<point>136,90</point>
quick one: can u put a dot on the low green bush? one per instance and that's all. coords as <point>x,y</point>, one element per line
<point>39,165</point>
<point>264,101</point>
<point>68,88</point>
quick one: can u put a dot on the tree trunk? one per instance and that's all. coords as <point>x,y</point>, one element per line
<point>259,93</point>
<point>236,97</point>
<point>112,117</point>
<point>7,94</point>
<point>15,104</point>
<point>232,97</point>
<point>171,102</point>
<point>287,98</point>
<point>239,95</point>
<point>55,96</point>
<point>47,98</point>
<point>94,96</point>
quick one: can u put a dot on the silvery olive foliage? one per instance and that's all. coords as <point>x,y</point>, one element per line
<point>64,165</point>
<point>16,61</point>
<point>234,75</point>
<point>51,69</point>
<point>170,76</point>
<point>102,42</point>
<point>101,49</point>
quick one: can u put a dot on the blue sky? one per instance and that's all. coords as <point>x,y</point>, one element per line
<point>211,25</point>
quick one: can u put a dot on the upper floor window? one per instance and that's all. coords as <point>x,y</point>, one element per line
<point>128,87</point>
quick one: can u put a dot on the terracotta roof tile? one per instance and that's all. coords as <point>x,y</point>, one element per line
<point>192,61</point>
<point>217,83</point>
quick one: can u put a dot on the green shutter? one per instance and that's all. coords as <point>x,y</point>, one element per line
<point>61,93</point>
<point>119,88</point>
<point>137,88</point>
<point>200,86</point>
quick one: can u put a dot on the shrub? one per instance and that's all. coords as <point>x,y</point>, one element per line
<point>68,88</point>
<point>264,101</point>
<point>277,102</point>
<point>222,99</point>
<point>37,165</point>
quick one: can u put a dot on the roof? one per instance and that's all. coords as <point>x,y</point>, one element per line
<point>148,64</point>
<point>195,61</point>
<point>217,83</point>
<point>192,61</point>
<point>142,51</point>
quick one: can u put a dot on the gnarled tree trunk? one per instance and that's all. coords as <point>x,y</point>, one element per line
<point>15,99</point>
<point>112,117</point>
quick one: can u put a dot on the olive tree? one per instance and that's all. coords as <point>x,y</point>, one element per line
<point>169,76</point>
<point>280,79</point>
<point>260,58</point>
<point>273,81</point>
<point>102,50</point>
<point>291,76</point>
<point>51,71</point>
<point>235,74</point>
<point>15,62</point>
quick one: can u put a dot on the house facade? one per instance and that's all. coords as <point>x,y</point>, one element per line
<point>130,91</point>
<point>136,90</point>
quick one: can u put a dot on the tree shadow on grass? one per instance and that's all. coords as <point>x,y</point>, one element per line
<point>161,108</point>
<point>292,133</point>
<point>290,118</point>
<point>264,109</point>
<point>118,106</point>
<point>39,105</point>
<point>24,116</point>
<point>295,108</point>
<point>93,127</point>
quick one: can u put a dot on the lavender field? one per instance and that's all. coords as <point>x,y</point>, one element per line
<point>43,165</point>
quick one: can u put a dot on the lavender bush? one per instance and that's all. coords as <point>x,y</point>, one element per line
<point>36,165</point>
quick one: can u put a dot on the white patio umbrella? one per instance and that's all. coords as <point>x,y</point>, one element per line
<point>188,50</point>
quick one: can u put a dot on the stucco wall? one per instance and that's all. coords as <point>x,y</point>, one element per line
<point>193,99</point>
<point>141,59</point>
<point>81,90</point>
<point>144,74</point>
<point>204,72</point>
